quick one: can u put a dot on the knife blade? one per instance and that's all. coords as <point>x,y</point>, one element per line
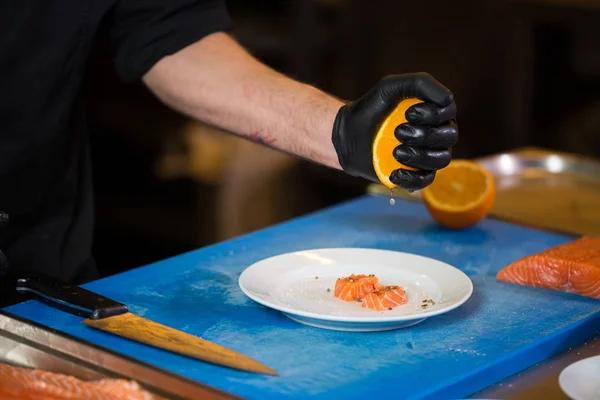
<point>113,317</point>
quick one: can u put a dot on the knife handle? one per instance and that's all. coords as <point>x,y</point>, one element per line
<point>70,298</point>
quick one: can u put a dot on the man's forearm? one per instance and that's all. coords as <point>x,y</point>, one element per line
<point>216,81</point>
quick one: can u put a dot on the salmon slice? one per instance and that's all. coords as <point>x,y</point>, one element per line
<point>355,287</point>
<point>29,384</point>
<point>385,298</point>
<point>573,267</point>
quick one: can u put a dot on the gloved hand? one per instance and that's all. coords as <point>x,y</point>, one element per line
<point>427,137</point>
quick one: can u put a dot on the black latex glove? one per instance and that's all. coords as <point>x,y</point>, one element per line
<point>426,139</point>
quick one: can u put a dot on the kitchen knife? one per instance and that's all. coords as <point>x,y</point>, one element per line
<point>110,316</point>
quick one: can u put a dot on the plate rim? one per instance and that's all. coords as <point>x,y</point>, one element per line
<point>359,320</point>
<point>573,365</point>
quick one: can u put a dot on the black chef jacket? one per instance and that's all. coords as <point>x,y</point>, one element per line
<point>45,176</point>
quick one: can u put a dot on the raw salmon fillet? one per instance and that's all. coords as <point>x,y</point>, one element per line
<point>29,384</point>
<point>572,267</point>
<point>385,298</point>
<point>355,287</point>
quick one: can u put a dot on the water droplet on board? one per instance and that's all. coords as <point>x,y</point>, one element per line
<point>392,200</point>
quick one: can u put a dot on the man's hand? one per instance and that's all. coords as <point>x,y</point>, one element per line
<point>427,137</point>
<point>218,82</point>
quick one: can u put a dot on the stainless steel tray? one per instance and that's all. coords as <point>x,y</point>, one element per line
<point>27,344</point>
<point>539,188</point>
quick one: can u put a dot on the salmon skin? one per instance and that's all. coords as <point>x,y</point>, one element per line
<point>18,383</point>
<point>385,298</point>
<point>573,267</point>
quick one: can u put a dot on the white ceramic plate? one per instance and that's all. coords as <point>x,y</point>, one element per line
<point>296,284</point>
<point>581,380</point>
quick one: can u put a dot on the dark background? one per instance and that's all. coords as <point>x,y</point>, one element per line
<point>524,73</point>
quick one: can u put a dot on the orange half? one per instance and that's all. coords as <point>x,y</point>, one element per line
<point>461,195</point>
<point>385,142</point>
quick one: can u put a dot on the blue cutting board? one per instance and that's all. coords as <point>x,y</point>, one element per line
<point>501,330</point>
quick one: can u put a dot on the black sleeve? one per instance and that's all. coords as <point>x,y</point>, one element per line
<point>144,31</point>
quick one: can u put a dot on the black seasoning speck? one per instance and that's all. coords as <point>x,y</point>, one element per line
<point>329,290</point>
